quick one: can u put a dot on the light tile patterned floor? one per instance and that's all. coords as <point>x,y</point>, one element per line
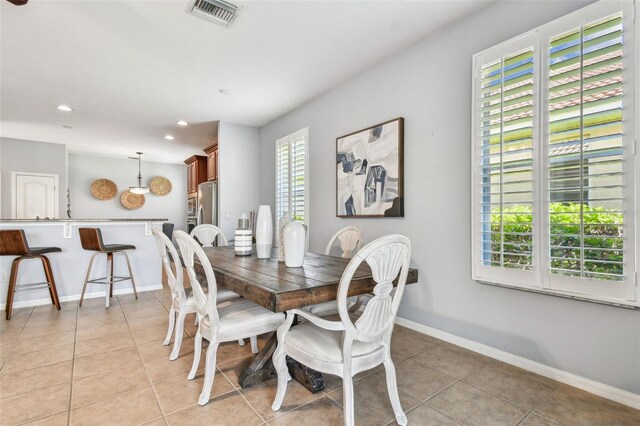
<point>92,365</point>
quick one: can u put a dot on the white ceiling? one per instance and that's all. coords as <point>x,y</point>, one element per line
<point>131,69</point>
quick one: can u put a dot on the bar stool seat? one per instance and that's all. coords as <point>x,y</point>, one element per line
<point>118,247</point>
<point>13,242</point>
<point>91,240</point>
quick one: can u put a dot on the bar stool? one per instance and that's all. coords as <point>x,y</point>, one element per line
<point>13,242</point>
<point>91,240</point>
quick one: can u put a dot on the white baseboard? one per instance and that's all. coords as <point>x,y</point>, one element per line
<point>618,395</point>
<point>47,301</point>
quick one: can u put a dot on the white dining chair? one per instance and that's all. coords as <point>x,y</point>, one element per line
<point>345,348</point>
<point>182,302</point>
<point>351,240</point>
<point>218,323</point>
<point>206,234</point>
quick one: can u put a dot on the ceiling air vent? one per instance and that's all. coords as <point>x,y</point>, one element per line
<point>218,11</point>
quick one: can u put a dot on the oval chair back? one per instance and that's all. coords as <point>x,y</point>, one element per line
<point>174,279</point>
<point>388,257</point>
<point>205,302</point>
<point>351,240</point>
<point>206,234</point>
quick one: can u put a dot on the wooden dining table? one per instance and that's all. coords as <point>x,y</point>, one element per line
<point>278,288</point>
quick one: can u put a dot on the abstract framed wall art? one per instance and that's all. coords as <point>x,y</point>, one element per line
<point>370,168</point>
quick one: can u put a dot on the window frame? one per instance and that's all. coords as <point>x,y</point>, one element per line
<point>540,279</point>
<point>288,140</point>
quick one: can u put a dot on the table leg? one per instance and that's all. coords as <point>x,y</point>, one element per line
<point>261,369</point>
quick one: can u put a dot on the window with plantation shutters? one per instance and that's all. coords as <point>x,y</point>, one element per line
<point>554,158</point>
<point>292,176</point>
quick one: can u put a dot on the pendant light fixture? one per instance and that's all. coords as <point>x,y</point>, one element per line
<point>139,189</point>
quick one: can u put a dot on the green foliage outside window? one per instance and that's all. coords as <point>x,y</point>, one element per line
<point>603,242</point>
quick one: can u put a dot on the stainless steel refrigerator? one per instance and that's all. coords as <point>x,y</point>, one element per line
<point>208,203</point>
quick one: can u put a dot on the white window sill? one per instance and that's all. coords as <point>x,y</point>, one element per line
<point>565,296</point>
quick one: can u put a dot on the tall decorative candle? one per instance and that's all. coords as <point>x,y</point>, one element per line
<point>264,232</point>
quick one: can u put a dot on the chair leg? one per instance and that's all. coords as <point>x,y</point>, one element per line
<point>86,278</point>
<point>197,351</point>
<point>108,282</point>
<point>209,373</point>
<point>172,322</point>
<point>133,283</point>
<point>392,389</point>
<point>280,363</point>
<point>254,344</point>
<point>110,260</point>
<point>48,272</point>
<point>241,342</point>
<point>348,398</point>
<point>13,277</point>
<point>178,340</point>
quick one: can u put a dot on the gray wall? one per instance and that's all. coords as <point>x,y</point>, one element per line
<point>430,86</point>
<point>18,155</point>
<point>84,169</point>
<point>238,163</point>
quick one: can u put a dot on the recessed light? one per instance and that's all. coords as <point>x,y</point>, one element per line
<point>66,126</point>
<point>169,137</point>
<point>224,92</point>
<point>64,108</point>
<point>182,123</point>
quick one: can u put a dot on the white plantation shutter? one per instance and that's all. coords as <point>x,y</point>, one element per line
<point>292,176</point>
<point>504,174</point>
<point>553,177</point>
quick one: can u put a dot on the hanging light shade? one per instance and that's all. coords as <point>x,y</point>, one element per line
<point>139,189</point>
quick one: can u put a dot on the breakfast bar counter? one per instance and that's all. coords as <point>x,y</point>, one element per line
<point>70,265</point>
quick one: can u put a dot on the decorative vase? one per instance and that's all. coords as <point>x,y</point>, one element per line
<point>243,237</point>
<point>294,242</point>
<point>284,220</point>
<point>264,232</point>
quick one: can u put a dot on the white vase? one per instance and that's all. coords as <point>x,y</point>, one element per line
<point>294,242</point>
<point>264,232</point>
<point>284,220</point>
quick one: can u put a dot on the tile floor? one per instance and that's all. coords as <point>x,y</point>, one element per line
<point>95,366</point>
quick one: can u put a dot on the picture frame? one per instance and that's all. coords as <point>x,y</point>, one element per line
<point>370,171</point>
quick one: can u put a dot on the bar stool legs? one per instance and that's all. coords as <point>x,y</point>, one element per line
<point>50,282</point>
<point>109,279</point>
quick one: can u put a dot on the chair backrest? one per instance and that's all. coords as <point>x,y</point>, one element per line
<point>206,234</point>
<point>91,239</point>
<point>205,302</point>
<point>13,242</point>
<point>167,229</point>
<point>351,241</point>
<point>174,279</point>
<point>388,257</point>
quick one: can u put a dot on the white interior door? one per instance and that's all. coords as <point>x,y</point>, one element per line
<point>34,195</point>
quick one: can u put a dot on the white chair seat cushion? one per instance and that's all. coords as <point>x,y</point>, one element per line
<point>243,318</point>
<point>325,345</point>
<point>328,308</point>
<point>222,295</point>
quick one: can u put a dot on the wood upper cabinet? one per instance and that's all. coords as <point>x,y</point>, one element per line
<point>212,161</point>
<point>196,172</point>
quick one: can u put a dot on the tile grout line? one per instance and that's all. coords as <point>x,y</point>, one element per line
<point>16,342</point>
<point>143,364</point>
<point>73,362</point>
<point>535,407</point>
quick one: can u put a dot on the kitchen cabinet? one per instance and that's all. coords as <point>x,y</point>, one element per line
<point>212,161</point>
<point>196,172</point>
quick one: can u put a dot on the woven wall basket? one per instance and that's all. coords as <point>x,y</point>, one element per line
<point>104,189</point>
<point>160,185</point>
<point>131,201</point>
